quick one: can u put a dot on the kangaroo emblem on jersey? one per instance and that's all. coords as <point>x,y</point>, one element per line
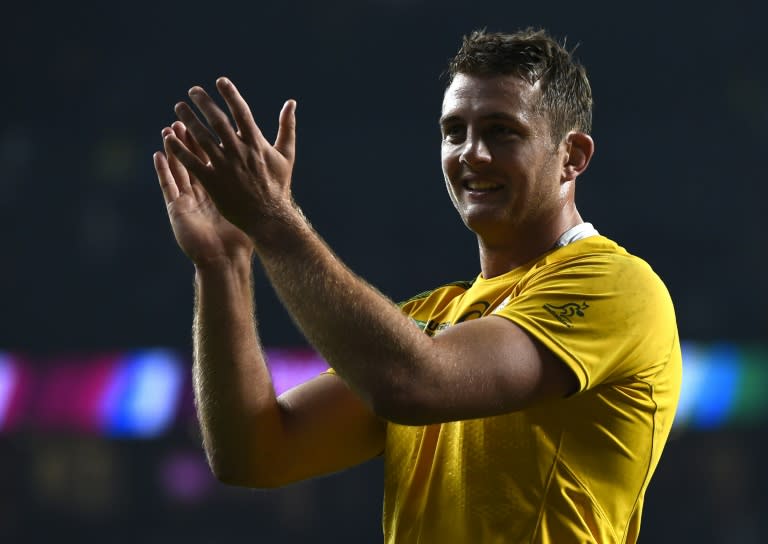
<point>566,312</point>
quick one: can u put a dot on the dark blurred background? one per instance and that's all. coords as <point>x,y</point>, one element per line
<point>90,274</point>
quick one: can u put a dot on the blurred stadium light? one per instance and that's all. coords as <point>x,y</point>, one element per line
<point>139,394</point>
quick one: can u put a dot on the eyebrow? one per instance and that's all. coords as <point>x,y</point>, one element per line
<point>495,116</point>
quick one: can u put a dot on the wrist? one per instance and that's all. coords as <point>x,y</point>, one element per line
<point>240,262</point>
<point>280,233</point>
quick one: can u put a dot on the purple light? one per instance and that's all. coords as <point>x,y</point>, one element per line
<point>185,476</point>
<point>291,367</point>
<point>9,380</point>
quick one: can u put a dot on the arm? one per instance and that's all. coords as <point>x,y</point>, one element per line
<point>474,369</point>
<point>481,368</point>
<point>251,437</point>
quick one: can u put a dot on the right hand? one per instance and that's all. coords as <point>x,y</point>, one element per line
<point>204,235</point>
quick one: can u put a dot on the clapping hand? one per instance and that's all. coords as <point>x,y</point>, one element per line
<point>247,178</point>
<point>200,230</point>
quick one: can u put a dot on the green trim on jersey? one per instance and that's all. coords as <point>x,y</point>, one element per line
<point>424,294</point>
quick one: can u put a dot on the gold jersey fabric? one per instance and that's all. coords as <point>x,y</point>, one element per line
<point>571,470</point>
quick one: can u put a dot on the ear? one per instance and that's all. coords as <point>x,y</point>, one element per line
<point>579,150</point>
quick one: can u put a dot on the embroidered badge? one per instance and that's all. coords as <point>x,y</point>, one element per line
<point>431,327</point>
<point>566,312</point>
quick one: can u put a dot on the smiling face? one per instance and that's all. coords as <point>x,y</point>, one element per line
<point>503,172</point>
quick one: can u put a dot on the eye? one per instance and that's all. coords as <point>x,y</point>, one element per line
<point>453,132</point>
<point>503,131</point>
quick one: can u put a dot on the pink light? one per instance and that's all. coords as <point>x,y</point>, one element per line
<point>71,392</point>
<point>291,367</point>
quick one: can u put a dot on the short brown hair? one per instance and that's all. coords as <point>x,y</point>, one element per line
<point>534,56</point>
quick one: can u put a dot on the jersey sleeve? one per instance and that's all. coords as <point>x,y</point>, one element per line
<point>607,316</point>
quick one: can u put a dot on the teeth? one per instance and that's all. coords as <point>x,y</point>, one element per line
<point>481,185</point>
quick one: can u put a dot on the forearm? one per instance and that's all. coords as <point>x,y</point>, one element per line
<point>234,397</point>
<point>361,333</point>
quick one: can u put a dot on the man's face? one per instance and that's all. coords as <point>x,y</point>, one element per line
<point>501,168</point>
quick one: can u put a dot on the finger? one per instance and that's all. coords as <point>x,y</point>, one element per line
<point>241,113</point>
<point>285,142</point>
<point>188,159</point>
<point>179,173</point>
<point>184,135</point>
<point>197,129</point>
<point>216,118</point>
<point>164,176</point>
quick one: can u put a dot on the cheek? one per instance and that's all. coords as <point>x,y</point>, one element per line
<point>451,169</point>
<point>449,164</point>
<point>451,193</point>
<point>445,162</point>
<point>547,186</point>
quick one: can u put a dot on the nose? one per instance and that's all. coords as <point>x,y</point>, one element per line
<point>475,152</point>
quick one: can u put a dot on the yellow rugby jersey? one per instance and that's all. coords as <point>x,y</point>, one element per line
<point>571,470</point>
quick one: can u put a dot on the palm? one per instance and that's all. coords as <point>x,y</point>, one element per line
<point>201,231</point>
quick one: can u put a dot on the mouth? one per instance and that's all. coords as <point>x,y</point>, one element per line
<point>479,186</point>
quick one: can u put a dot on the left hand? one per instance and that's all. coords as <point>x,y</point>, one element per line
<point>248,178</point>
<point>201,231</point>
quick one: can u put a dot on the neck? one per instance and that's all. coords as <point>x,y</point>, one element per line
<point>499,256</point>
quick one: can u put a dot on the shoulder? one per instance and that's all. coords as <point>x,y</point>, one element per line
<point>596,261</point>
<point>598,273</point>
<point>602,310</point>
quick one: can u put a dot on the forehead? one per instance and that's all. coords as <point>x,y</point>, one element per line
<point>469,96</point>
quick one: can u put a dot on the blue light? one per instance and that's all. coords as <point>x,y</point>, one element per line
<point>718,387</point>
<point>144,396</point>
<point>694,381</point>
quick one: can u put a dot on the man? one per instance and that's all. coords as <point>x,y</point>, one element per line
<point>535,407</point>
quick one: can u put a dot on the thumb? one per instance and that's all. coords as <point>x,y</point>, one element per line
<point>285,142</point>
